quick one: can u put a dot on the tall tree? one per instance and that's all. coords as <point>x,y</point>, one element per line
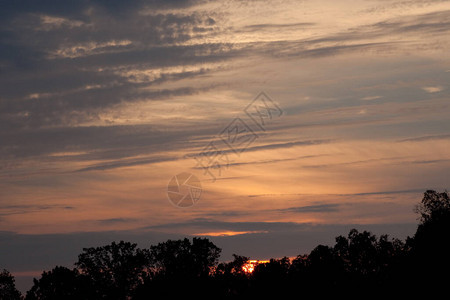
<point>115,270</point>
<point>434,207</point>
<point>181,258</point>
<point>180,269</point>
<point>8,289</point>
<point>60,283</point>
<point>430,246</point>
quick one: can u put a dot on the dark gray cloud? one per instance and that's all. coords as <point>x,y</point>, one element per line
<point>125,163</point>
<point>413,191</point>
<point>273,160</point>
<point>319,208</point>
<point>99,142</point>
<point>426,138</point>
<point>409,191</point>
<point>428,23</point>
<point>431,161</point>
<point>77,8</point>
<point>272,26</point>
<point>114,221</point>
<point>372,160</point>
<point>54,56</point>
<point>289,145</point>
<point>308,49</point>
<point>7,210</point>
<point>271,147</point>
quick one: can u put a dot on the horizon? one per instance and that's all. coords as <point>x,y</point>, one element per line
<point>268,127</point>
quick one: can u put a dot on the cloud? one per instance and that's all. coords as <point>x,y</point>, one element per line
<point>99,143</point>
<point>426,138</point>
<point>370,98</point>
<point>272,26</point>
<point>271,147</point>
<point>431,161</point>
<point>288,145</point>
<point>112,7</point>
<point>209,224</point>
<point>113,221</point>
<point>433,89</point>
<point>125,163</point>
<point>19,209</point>
<point>91,48</point>
<point>413,191</point>
<point>83,54</point>
<point>319,208</point>
<point>378,160</point>
<point>227,233</point>
<point>103,59</point>
<point>271,161</point>
<point>369,37</point>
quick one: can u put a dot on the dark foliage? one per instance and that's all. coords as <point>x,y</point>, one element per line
<point>61,283</point>
<point>114,270</point>
<point>430,246</point>
<point>8,289</point>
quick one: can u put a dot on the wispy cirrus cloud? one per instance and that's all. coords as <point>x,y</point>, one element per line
<point>426,138</point>
<point>319,208</point>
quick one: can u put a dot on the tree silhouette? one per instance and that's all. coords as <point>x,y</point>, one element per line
<point>358,252</point>
<point>298,267</point>
<point>357,263</point>
<point>271,278</point>
<point>430,246</point>
<point>230,278</point>
<point>435,207</point>
<point>322,266</point>
<point>115,270</point>
<point>180,269</point>
<point>233,268</point>
<point>275,269</point>
<point>432,237</point>
<point>61,283</point>
<point>8,289</point>
<point>174,259</point>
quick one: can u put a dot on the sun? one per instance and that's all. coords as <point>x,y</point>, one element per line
<point>250,265</point>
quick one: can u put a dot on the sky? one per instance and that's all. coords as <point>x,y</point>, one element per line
<point>298,120</point>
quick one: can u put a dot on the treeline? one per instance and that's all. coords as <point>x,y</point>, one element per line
<point>359,263</point>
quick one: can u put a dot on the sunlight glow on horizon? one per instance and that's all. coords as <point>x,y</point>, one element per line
<point>250,266</point>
